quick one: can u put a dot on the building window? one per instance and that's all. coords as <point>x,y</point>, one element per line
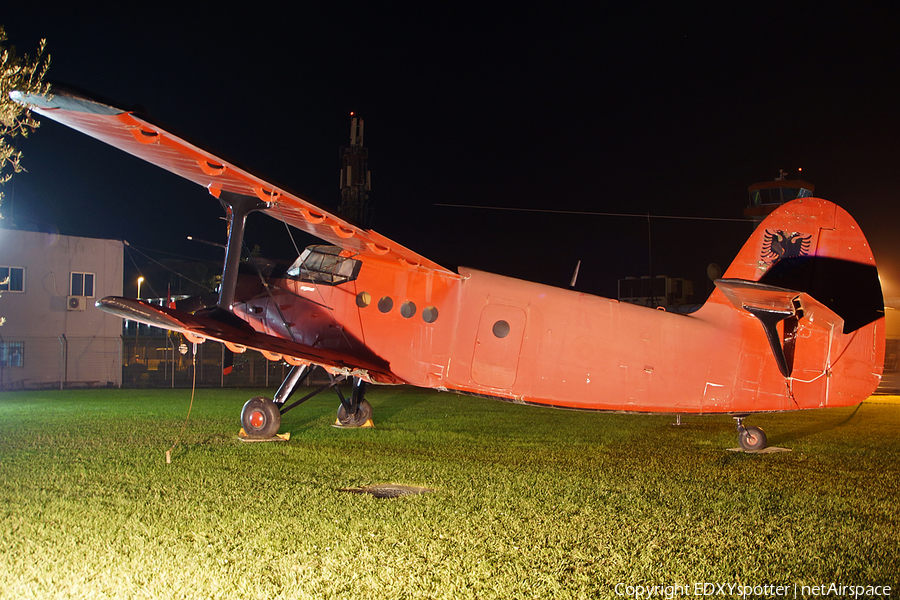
<point>83,284</point>
<point>12,279</point>
<point>12,354</point>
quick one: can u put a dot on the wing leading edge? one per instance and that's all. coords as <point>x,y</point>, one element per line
<point>237,335</point>
<point>137,136</point>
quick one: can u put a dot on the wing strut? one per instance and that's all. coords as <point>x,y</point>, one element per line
<point>237,208</point>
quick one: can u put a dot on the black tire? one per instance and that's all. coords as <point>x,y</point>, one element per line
<point>752,439</point>
<point>363,414</point>
<point>260,418</point>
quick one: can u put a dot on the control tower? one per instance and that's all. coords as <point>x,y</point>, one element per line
<point>356,180</point>
<point>766,197</point>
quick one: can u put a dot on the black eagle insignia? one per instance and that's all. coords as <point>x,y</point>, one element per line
<point>779,244</point>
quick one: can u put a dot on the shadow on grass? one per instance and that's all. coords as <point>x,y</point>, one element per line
<point>390,408</point>
<point>389,405</point>
<point>812,429</point>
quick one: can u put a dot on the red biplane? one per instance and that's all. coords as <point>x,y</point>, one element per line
<point>797,321</point>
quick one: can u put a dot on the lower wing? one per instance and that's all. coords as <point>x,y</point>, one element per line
<point>237,335</point>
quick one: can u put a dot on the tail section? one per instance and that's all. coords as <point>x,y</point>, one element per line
<point>808,279</point>
<point>811,245</point>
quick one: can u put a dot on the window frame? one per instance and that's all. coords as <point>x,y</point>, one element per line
<point>325,265</point>
<point>83,275</point>
<point>7,287</point>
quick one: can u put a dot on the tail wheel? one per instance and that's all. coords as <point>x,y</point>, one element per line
<point>363,414</point>
<point>752,438</point>
<point>260,417</point>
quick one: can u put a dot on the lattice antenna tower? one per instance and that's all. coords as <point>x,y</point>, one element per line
<point>356,180</point>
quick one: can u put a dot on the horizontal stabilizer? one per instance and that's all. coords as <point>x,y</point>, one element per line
<point>222,326</point>
<point>746,294</point>
<point>771,305</point>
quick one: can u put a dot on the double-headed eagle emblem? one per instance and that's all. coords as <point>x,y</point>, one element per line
<point>779,244</point>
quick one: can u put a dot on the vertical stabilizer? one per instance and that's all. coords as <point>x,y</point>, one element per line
<point>811,245</point>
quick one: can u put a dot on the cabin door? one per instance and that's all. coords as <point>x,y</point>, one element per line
<point>497,345</point>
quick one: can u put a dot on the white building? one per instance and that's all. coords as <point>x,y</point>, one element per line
<point>52,335</point>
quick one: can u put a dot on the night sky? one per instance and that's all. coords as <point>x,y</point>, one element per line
<point>660,109</point>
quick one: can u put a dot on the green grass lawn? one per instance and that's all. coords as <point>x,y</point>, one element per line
<point>528,502</point>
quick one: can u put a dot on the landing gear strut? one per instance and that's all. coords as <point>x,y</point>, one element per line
<point>751,439</point>
<point>261,417</point>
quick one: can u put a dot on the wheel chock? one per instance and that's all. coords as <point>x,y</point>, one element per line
<point>766,450</point>
<point>278,437</point>
<point>369,424</point>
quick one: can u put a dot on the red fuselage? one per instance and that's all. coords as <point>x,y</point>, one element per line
<point>501,337</point>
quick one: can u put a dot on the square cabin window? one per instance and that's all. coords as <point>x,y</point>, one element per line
<point>12,279</point>
<point>82,284</point>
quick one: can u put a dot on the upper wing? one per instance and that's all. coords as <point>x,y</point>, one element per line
<point>126,131</point>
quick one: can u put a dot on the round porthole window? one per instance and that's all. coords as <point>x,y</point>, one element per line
<point>429,314</point>
<point>363,299</point>
<point>407,309</point>
<point>385,304</point>
<point>500,329</point>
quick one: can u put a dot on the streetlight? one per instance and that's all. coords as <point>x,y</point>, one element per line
<point>137,324</point>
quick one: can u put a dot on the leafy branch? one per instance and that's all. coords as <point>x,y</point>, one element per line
<point>26,74</point>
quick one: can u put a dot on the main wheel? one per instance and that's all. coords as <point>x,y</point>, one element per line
<point>363,414</point>
<point>260,417</point>
<point>752,438</point>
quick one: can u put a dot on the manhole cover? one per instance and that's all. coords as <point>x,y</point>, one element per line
<point>388,490</point>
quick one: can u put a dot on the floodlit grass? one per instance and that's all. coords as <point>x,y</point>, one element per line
<point>528,502</point>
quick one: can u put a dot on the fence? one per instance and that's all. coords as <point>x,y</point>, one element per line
<point>60,362</point>
<point>132,361</point>
<point>167,361</point>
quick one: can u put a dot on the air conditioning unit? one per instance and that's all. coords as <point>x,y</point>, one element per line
<point>76,303</point>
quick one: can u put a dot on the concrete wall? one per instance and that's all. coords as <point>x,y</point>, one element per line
<point>61,346</point>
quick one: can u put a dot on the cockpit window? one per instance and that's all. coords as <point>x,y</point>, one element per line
<point>325,265</point>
